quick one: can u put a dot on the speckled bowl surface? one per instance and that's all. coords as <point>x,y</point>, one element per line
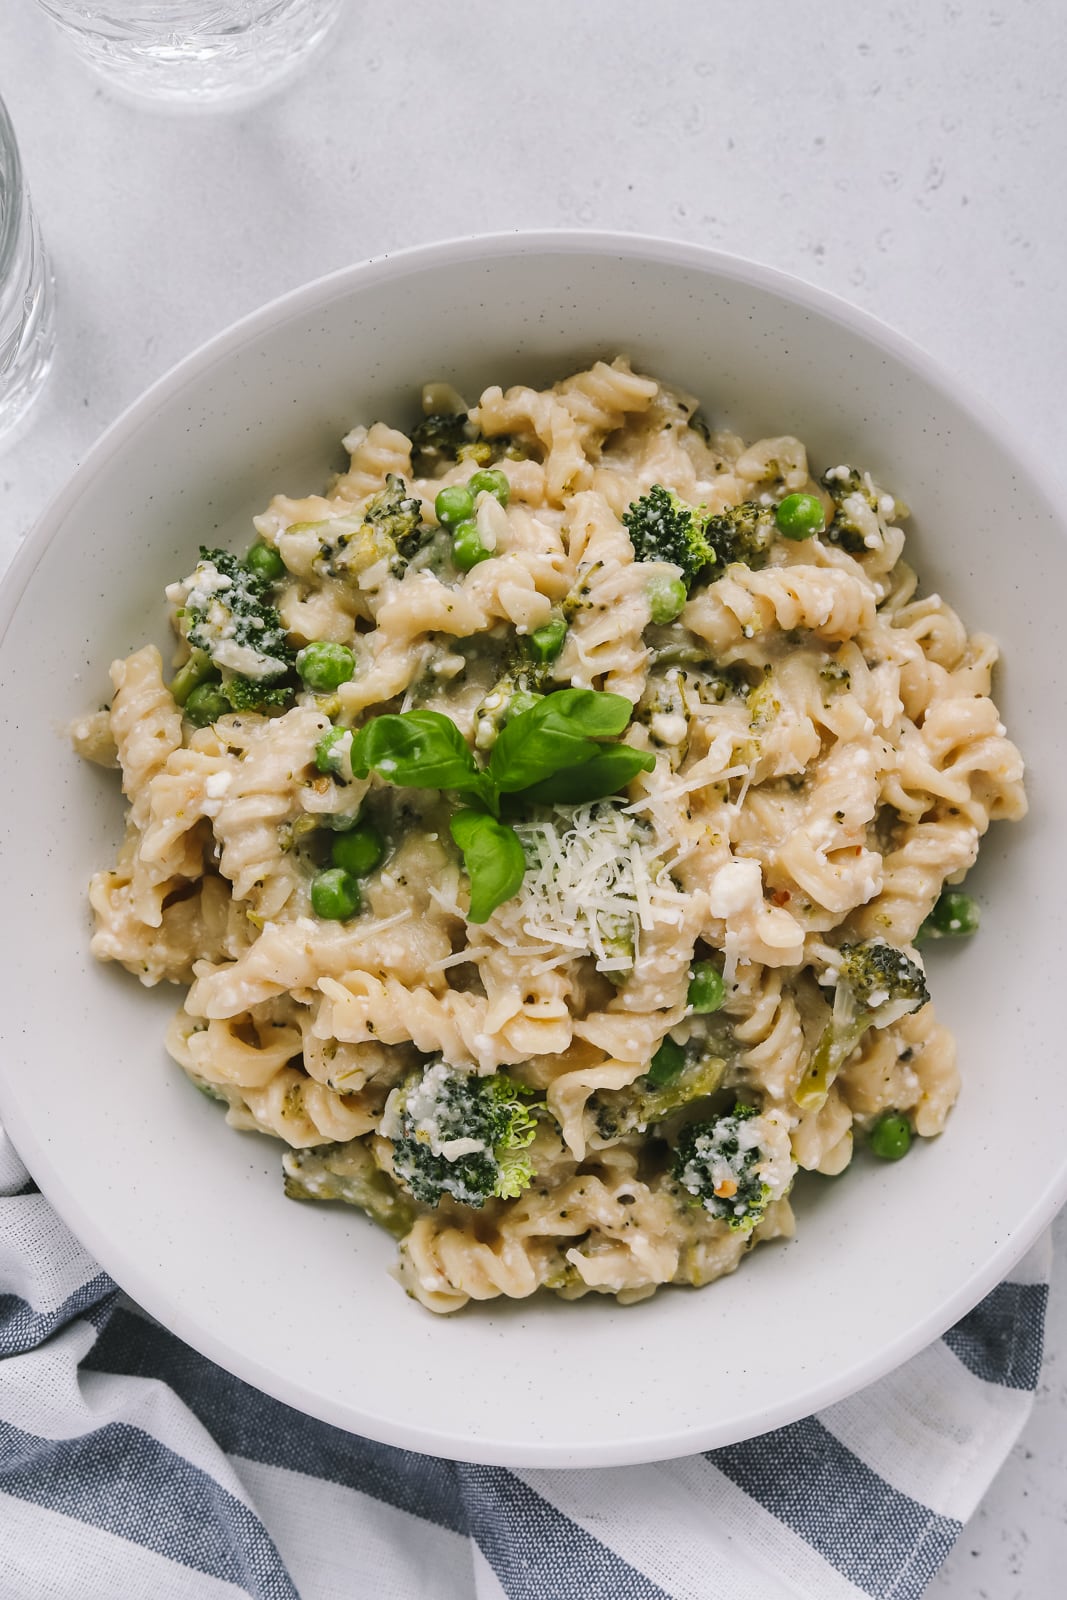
<point>189,1216</point>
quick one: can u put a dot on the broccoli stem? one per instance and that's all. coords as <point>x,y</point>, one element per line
<point>349,1173</point>
<point>197,670</point>
<point>830,1055</point>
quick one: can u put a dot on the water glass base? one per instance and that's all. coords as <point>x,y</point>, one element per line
<point>209,54</point>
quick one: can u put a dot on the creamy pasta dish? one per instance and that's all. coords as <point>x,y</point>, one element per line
<point>548,823</point>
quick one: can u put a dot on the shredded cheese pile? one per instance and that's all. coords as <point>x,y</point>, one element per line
<point>595,879</point>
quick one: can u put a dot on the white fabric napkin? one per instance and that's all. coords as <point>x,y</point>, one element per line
<point>130,1466</point>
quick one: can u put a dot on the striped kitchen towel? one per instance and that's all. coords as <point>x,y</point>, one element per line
<point>131,1468</point>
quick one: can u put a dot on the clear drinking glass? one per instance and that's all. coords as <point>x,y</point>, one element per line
<point>194,50</point>
<point>26,289</point>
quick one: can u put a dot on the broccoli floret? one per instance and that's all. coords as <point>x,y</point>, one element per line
<point>857,524</point>
<point>441,439</point>
<point>348,546</point>
<point>437,437</point>
<point>455,1133</point>
<point>224,611</point>
<point>245,694</point>
<point>396,515</point>
<point>389,531</point>
<point>394,512</point>
<point>721,1163</point>
<point>348,1172</point>
<point>224,614</point>
<point>664,528</point>
<point>741,533</point>
<point>881,980</point>
<point>876,985</point>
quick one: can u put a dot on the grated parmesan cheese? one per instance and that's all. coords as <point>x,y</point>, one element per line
<point>595,880</point>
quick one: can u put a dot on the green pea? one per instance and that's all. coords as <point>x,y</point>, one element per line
<point>327,756</point>
<point>707,991</point>
<point>265,562</point>
<point>205,704</point>
<point>954,917</point>
<point>799,516</point>
<point>324,665</point>
<point>667,1062</point>
<point>453,505</point>
<point>891,1136</point>
<point>335,895</point>
<point>547,642</point>
<point>197,670</point>
<point>666,597</point>
<point>467,546</point>
<point>359,850</point>
<point>491,481</point>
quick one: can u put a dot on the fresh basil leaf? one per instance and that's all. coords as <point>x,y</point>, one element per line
<point>611,769</point>
<point>592,712</point>
<point>417,749</point>
<point>493,858</point>
<point>557,733</point>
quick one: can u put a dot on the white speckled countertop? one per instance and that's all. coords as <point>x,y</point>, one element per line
<point>908,156</point>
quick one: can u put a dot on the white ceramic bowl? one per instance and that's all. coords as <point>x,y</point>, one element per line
<point>189,1216</point>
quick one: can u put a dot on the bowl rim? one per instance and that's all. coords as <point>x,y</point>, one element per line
<point>474,249</point>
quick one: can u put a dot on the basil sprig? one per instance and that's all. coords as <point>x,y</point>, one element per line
<point>552,754</point>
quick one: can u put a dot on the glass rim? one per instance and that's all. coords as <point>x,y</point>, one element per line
<point>10,218</point>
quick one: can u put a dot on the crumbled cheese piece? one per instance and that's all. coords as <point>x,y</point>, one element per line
<point>198,590</point>
<point>216,784</point>
<point>491,520</point>
<point>776,1170</point>
<point>769,933</point>
<point>734,888</point>
<point>243,659</point>
<point>669,727</point>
